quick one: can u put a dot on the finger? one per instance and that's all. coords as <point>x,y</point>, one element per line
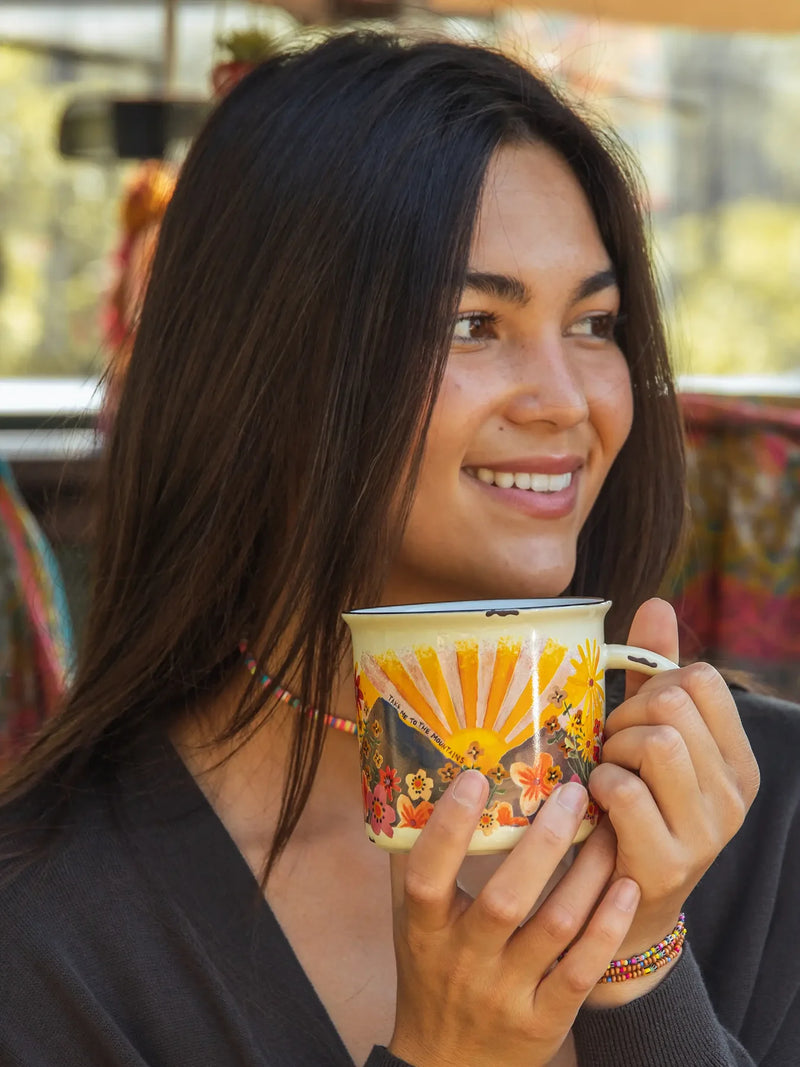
<point>515,887</point>
<point>655,627</point>
<point>536,946</point>
<point>698,702</point>
<point>660,757</point>
<point>669,706</point>
<point>424,882</point>
<point>575,976</point>
<point>711,696</point>
<point>642,833</point>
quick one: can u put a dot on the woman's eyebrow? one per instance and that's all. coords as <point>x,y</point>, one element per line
<point>507,287</point>
<point>595,283</point>
<point>502,286</point>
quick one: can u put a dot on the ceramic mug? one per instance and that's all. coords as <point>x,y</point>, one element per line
<point>514,689</point>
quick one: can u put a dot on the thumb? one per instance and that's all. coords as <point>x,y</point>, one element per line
<point>654,627</point>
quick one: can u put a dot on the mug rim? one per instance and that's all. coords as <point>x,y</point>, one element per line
<point>475,607</point>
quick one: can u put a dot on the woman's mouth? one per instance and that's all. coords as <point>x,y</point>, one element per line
<point>534,482</point>
<point>537,494</point>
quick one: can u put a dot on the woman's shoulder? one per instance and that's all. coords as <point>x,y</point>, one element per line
<point>757,702</point>
<point>772,726</point>
<point>77,853</point>
<point>47,872</point>
<point>768,841</point>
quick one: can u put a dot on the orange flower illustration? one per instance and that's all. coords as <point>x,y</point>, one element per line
<point>448,772</point>
<point>533,781</point>
<point>474,750</point>
<point>419,785</point>
<point>554,775</point>
<point>390,781</point>
<point>412,815</point>
<point>506,816</point>
<point>497,774</point>
<point>488,821</point>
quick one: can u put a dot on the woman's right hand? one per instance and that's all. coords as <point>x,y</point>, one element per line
<point>473,986</point>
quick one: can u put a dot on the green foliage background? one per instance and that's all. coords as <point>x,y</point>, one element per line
<point>731,266</point>
<point>58,220</point>
<point>737,278</point>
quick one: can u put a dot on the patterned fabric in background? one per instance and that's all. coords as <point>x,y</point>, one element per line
<point>35,630</point>
<point>738,594</point>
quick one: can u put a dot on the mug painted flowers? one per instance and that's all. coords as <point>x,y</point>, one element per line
<point>513,689</point>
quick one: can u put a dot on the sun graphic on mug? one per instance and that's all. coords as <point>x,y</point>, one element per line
<point>473,699</point>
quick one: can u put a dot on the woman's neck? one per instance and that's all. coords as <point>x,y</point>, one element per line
<point>244,779</point>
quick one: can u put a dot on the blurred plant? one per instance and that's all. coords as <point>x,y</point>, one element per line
<point>737,288</point>
<point>246,46</point>
<point>57,219</point>
<point>240,52</point>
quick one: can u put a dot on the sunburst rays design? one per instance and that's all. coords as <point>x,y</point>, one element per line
<point>474,700</point>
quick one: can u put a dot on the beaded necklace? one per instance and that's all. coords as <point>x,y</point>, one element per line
<point>345,725</point>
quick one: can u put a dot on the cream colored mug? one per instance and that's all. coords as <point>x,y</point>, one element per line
<point>514,689</point>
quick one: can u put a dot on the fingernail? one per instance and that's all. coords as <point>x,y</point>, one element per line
<point>572,796</point>
<point>468,788</point>
<point>627,895</point>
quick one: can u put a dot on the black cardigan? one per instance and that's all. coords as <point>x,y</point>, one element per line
<point>142,939</point>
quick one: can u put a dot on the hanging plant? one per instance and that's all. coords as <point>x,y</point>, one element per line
<point>240,51</point>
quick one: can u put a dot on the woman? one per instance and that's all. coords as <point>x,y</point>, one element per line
<point>390,278</point>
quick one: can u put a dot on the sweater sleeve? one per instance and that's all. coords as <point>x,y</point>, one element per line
<point>672,1026</point>
<point>382,1057</point>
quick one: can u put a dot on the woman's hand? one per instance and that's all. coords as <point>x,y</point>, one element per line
<point>677,778</point>
<point>474,986</point>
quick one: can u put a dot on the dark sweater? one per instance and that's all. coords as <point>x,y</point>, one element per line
<point>142,939</point>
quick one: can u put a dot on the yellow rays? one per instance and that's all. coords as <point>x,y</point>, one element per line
<point>505,661</point>
<point>467,660</point>
<point>476,698</point>
<point>432,669</point>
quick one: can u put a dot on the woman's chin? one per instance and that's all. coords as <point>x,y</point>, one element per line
<point>482,582</point>
<point>550,582</point>
<point>524,589</point>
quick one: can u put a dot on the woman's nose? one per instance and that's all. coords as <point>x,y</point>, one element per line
<point>546,385</point>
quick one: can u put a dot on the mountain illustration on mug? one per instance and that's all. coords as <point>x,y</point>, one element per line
<point>526,712</point>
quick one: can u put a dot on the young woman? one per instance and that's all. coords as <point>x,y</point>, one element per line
<point>402,344</point>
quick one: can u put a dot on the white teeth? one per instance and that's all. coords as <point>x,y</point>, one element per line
<point>537,483</point>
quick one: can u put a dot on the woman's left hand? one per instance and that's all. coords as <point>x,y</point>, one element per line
<point>676,780</point>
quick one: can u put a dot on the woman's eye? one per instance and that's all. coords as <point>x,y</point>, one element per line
<point>474,327</point>
<point>600,326</point>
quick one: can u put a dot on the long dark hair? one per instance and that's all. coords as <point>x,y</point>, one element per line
<point>291,345</point>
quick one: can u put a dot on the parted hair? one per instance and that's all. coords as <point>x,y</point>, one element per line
<point>291,345</point>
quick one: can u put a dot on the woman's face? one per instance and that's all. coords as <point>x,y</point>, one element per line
<point>536,400</point>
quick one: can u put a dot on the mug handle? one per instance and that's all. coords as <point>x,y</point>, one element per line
<point>631,658</point>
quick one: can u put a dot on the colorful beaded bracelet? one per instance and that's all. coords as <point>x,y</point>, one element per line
<point>652,960</point>
<point>334,721</point>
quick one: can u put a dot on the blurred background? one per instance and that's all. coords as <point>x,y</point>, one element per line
<point>705,92</point>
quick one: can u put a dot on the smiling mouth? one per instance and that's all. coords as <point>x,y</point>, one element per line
<point>535,483</point>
